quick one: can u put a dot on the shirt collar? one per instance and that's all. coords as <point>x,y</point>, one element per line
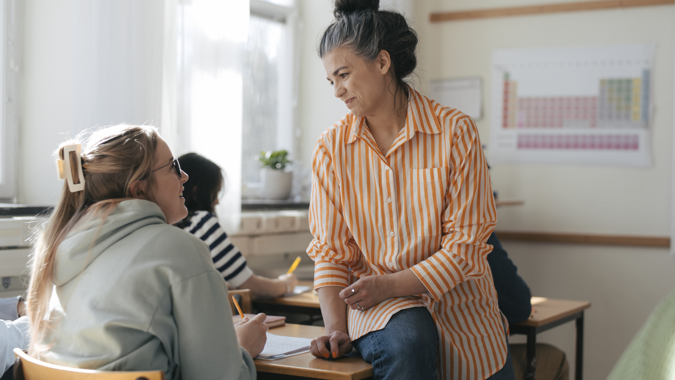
<point>420,118</point>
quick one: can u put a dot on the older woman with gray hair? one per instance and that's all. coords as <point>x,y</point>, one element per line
<point>401,210</point>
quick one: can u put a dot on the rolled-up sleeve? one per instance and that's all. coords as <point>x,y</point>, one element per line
<point>12,335</point>
<point>468,219</point>
<point>333,248</point>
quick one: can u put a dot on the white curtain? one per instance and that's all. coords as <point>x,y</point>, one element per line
<point>175,64</point>
<point>210,39</point>
<point>117,63</point>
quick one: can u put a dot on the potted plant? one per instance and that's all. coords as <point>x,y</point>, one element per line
<point>276,182</point>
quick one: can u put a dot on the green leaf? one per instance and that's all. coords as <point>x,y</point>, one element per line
<point>276,160</point>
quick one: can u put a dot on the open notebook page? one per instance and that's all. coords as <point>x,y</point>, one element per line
<point>278,347</point>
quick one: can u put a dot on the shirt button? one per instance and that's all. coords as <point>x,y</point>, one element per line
<point>389,200</point>
<point>391,233</point>
<point>386,168</point>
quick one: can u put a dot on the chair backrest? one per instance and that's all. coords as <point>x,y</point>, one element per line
<point>243,296</point>
<point>29,368</point>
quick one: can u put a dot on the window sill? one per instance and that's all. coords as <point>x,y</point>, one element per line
<point>265,204</point>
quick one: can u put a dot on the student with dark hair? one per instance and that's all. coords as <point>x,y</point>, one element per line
<point>201,197</point>
<point>401,210</point>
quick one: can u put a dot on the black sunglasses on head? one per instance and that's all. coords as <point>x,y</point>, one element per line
<point>175,165</point>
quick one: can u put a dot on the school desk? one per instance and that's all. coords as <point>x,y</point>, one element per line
<point>306,366</point>
<point>548,314</point>
<point>304,303</point>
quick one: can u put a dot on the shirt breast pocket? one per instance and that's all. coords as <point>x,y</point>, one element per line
<point>427,200</point>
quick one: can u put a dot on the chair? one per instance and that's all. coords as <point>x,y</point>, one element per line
<point>243,297</point>
<point>28,368</point>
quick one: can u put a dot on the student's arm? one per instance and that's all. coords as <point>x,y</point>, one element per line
<point>12,335</point>
<point>262,287</point>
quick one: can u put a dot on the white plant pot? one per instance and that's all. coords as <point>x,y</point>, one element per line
<point>276,184</point>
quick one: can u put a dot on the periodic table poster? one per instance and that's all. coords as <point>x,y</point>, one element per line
<point>573,105</point>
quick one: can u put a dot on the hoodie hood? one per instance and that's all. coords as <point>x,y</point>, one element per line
<point>93,234</point>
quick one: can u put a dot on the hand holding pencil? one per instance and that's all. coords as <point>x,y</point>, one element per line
<point>251,333</point>
<point>289,278</point>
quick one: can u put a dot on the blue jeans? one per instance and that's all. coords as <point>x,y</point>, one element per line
<point>407,348</point>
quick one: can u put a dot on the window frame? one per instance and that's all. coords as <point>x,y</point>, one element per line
<point>11,38</point>
<point>289,59</point>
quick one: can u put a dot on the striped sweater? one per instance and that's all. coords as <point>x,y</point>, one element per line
<point>226,257</point>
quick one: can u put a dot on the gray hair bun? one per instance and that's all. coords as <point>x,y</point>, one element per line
<point>365,30</point>
<point>345,7</point>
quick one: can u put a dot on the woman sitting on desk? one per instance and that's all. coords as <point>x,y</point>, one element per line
<point>401,209</point>
<point>201,197</point>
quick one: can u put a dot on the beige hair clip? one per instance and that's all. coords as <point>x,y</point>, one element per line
<point>71,160</point>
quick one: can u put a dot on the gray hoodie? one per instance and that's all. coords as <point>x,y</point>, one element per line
<point>135,293</point>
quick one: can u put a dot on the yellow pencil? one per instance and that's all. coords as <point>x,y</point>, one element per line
<point>294,265</point>
<point>238,308</point>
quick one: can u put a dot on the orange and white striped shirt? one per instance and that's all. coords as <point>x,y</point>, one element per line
<point>425,205</point>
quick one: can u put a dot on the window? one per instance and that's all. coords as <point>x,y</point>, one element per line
<point>268,81</point>
<point>9,57</point>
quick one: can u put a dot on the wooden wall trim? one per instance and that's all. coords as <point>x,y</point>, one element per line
<point>544,237</point>
<point>542,9</point>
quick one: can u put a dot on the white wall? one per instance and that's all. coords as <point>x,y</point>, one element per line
<point>623,283</point>
<point>318,109</point>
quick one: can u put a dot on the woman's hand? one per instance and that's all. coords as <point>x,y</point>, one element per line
<point>290,280</point>
<point>371,290</point>
<point>367,292</point>
<point>332,345</point>
<point>251,334</point>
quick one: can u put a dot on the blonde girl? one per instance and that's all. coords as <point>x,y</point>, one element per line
<point>114,286</point>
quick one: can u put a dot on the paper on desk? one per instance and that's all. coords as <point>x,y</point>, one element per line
<point>298,290</point>
<point>278,347</point>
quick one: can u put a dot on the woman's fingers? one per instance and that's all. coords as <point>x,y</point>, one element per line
<point>347,292</point>
<point>335,346</point>
<point>331,346</point>
<point>319,347</point>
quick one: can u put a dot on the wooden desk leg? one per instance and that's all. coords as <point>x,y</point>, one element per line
<point>579,360</point>
<point>531,354</point>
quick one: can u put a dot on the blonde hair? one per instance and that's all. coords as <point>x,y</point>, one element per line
<point>112,159</point>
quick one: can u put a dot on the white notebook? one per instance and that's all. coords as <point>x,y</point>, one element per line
<point>278,347</point>
<point>299,289</point>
